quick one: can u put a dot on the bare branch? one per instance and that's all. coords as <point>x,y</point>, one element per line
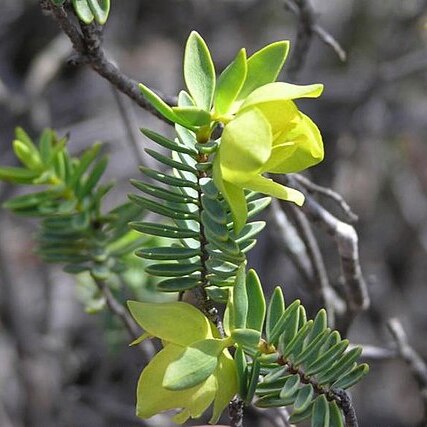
<point>87,44</point>
<point>356,293</point>
<point>412,358</point>
<point>329,193</point>
<point>307,27</point>
<point>328,295</point>
<point>118,310</point>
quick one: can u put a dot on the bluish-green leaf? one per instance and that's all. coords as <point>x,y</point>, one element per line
<point>290,387</point>
<point>325,360</point>
<point>246,337</point>
<point>242,372</point>
<point>163,230</point>
<point>304,398</point>
<point>335,415</point>
<point>168,253</point>
<point>352,377</point>
<point>178,284</point>
<point>172,270</point>
<point>240,300</point>
<point>275,310</point>
<point>167,143</point>
<point>320,415</point>
<point>256,302</point>
<point>292,310</point>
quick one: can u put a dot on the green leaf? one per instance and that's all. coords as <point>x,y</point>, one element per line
<point>253,380</point>
<point>194,365</point>
<point>290,329</point>
<point>341,366</point>
<point>319,325</point>
<point>164,109</point>
<point>166,179</point>
<point>214,209</point>
<point>351,378</point>
<point>250,230</point>
<point>291,311</point>
<point>295,345</point>
<point>304,398</point>
<point>230,83</point>
<point>264,66</point>
<point>246,337</point>
<point>28,157</point>
<point>169,162</point>
<point>298,416</point>
<point>199,71</point>
<point>161,193</point>
<point>17,175</point>
<point>214,228</point>
<point>100,10</point>
<point>83,11</point>
<point>335,416</point>
<point>178,284</point>
<point>313,347</point>
<point>256,302</point>
<point>167,143</point>
<point>168,253</point>
<point>325,360</point>
<point>93,178</point>
<point>159,320</point>
<point>320,415</point>
<point>172,270</point>
<point>275,310</point>
<point>46,140</point>
<point>290,387</point>
<point>242,372</point>
<point>240,300</point>
<point>163,230</point>
<point>193,116</point>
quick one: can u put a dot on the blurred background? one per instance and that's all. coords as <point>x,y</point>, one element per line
<point>61,366</point>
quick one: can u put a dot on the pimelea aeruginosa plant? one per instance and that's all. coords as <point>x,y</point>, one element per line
<point>230,133</point>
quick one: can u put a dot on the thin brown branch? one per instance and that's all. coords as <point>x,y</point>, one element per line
<point>416,364</point>
<point>87,44</point>
<point>118,310</point>
<point>328,296</point>
<point>330,194</point>
<point>346,238</point>
<point>306,28</point>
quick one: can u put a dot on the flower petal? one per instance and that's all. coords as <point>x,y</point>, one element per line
<point>227,385</point>
<point>159,320</point>
<point>234,196</point>
<point>267,186</point>
<point>152,398</point>
<point>245,146</point>
<point>280,91</point>
<point>308,149</point>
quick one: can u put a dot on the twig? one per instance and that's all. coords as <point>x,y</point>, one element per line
<point>356,293</point>
<point>87,45</point>
<point>118,310</point>
<point>413,359</point>
<point>288,237</point>
<point>127,124</point>
<point>329,193</point>
<point>373,353</point>
<point>306,28</point>
<point>321,279</point>
<point>235,412</point>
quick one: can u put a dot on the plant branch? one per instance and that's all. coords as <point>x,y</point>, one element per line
<point>416,364</point>
<point>120,312</point>
<point>306,28</point>
<point>87,44</point>
<point>346,238</point>
<point>330,194</point>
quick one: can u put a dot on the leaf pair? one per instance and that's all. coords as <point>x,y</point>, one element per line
<point>89,10</point>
